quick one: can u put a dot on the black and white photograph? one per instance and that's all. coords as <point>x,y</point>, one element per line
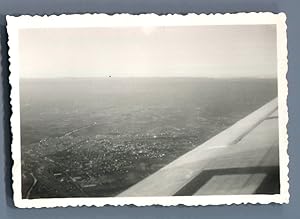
<point>148,109</point>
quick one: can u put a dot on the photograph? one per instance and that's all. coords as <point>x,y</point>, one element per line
<point>148,109</point>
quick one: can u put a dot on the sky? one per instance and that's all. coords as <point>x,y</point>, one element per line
<point>191,51</point>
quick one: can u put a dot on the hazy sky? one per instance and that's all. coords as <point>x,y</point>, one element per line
<point>199,51</point>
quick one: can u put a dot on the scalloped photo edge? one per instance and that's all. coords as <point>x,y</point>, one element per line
<point>15,24</point>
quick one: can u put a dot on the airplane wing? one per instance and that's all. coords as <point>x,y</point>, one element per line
<point>243,159</point>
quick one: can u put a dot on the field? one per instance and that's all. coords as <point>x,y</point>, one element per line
<point>96,137</point>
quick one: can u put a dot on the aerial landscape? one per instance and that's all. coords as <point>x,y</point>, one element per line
<point>103,109</point>
<point>95,137</point>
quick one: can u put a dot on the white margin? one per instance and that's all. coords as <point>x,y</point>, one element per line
<point>14,24</point>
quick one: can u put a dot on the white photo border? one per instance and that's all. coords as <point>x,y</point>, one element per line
<point>14,24</point>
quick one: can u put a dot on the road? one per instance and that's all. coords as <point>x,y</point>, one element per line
<point>34,181</point>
